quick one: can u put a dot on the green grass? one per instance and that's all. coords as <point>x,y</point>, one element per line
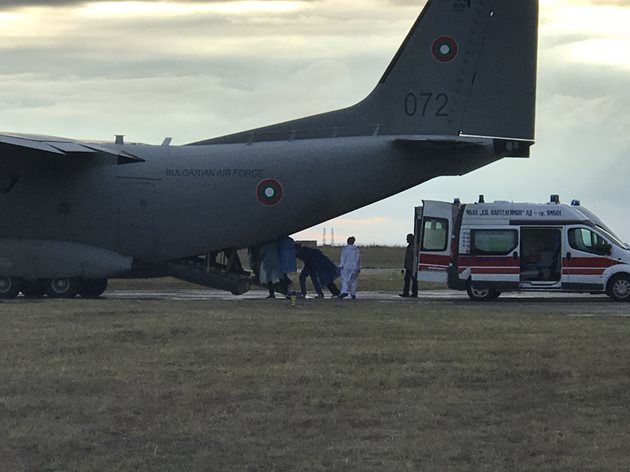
<point>372,257</point>
<point>257,385</point>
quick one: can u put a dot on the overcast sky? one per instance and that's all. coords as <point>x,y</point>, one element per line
<point>198,69</point>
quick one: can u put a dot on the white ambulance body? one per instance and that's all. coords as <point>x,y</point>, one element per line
<point>489,248</point>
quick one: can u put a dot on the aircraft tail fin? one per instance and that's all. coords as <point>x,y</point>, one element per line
<point>466,68</point>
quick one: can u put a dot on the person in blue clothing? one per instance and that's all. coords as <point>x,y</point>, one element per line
<point>350,267</point>
<point>270,268</point>
<point>288,263</point>
<point>322,271</point>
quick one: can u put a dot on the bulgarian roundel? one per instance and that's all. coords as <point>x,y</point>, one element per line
<point>445,49</point>
<point>269,192</point>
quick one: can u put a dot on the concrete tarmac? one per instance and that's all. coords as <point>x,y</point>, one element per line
<point>582,305</point>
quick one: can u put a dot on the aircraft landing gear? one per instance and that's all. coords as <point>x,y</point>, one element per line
<point>32,289</point>
<point>92,288</point>
<point>61,287</point>
<point>9,288</point>
<point>66,287</point>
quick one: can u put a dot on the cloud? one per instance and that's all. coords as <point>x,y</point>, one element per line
<point>621,3</point>
<point>210,74</point>
<point>202,74</point>
<point>372,221</point>
<point>10,4</point>
<point>15,4</point>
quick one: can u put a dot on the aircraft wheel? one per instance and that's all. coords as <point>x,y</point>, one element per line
<point>619,287</point>
<point>9,288</point>
<point>32,289</point>
<point>242,287</point>
<point>481,294</point>
<point>92,288</point>
<point>63,287</point>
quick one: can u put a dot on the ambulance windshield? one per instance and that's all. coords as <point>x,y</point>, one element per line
<point>613,237</point>
<point>599,224</point>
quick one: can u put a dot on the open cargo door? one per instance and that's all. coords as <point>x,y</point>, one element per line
<point>434,232</point>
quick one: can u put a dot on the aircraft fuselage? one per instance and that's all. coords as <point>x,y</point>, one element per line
<point>143,209</point>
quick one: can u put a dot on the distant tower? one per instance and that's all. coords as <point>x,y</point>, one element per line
<point>332,236</point>
<point>324,238</point>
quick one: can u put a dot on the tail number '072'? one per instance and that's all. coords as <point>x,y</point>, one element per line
<point>426,104</point>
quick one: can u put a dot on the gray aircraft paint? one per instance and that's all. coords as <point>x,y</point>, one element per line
<point>458,95</point>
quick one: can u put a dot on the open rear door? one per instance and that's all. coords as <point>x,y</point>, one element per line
<point>434,231</point>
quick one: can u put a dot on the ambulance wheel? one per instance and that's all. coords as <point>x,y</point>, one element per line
<point>619,287</point>
<point>495,294</point>
<point>32,289</point>
<point>92,288</point>
<point>62,287</point>
<point>481,294</point>
<point>9,288</point>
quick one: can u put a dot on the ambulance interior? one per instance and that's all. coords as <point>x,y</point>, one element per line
<point>541,254</point>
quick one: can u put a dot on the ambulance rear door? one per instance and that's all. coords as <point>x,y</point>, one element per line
<point>434,232</point>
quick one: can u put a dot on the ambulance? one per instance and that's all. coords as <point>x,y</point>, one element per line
<point>490,248</point>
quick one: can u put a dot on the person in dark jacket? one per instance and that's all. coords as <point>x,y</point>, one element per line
<point>321,270</point>
<point>410,280</point>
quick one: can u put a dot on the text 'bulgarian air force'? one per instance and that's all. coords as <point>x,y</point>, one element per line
<point>238,173</point>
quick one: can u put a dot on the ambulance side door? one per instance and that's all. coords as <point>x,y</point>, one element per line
<point>492,256</point>
<point>433,236</point>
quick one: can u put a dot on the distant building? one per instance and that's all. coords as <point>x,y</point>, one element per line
<point>308,242</point>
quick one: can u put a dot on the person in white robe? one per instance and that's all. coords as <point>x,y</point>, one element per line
<point>350,267</point>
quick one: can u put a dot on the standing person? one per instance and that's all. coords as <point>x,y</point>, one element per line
<point>321,270</point>
<point>269,266</point>
<point>288,263</point>
<point>409,278</point>
<point>350,265</point>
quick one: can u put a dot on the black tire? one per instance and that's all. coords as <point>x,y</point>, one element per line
<point>242,287</point>
<point>92,288</point>
<point>618,287</point>
<point>481,294</point>
<point>32,289</point>
<point>495,294</point>
<point>62,287</point>
<point>9,288</point>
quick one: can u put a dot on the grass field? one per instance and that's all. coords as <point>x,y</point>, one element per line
<point>256,385</point>
<point>372,257</point>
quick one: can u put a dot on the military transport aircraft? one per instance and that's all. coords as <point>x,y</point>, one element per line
<point>459,94</point>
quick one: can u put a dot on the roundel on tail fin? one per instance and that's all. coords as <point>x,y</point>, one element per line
<point>445,49</point>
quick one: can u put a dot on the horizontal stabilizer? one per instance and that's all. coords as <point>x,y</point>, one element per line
<point>501,146</point>
<point>439,143</point>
